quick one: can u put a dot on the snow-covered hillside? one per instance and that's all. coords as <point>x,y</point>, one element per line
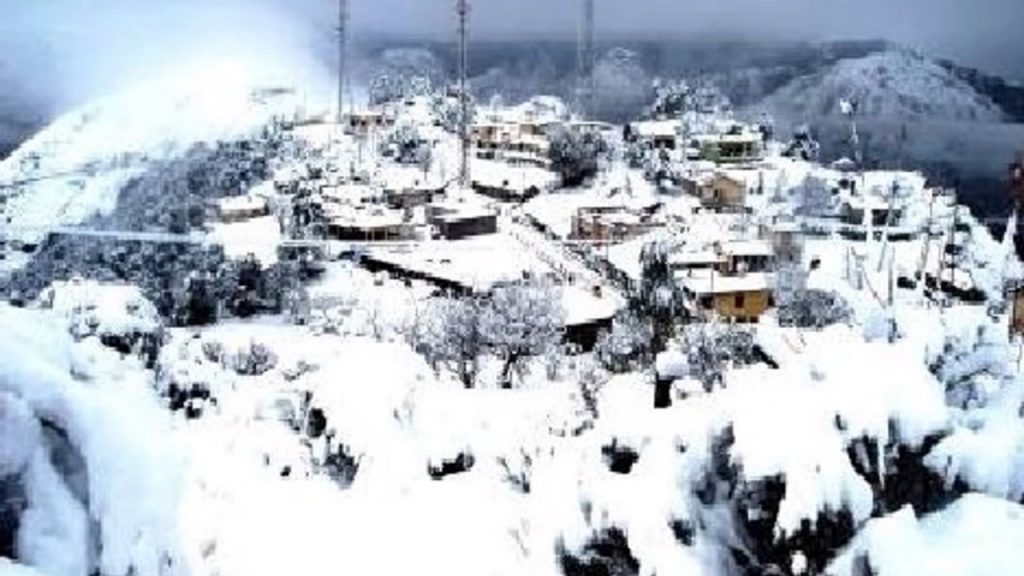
<point>896,84</point>
<point>74,168</point>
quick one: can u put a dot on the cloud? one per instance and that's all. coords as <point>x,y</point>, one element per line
<point>69,50</point>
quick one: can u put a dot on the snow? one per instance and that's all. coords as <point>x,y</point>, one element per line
<point>259,237</point>
<point>478,263</point>
<point>894,83</point>
<point>106,308</point>
<point>708,282</point>
<point>112,420</point>
<point>75,168</point>
<point>244,487</point>
<point>976,536</point>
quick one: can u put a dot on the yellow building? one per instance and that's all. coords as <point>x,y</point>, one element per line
<point>744,298</point>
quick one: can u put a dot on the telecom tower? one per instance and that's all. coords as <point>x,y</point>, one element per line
<point>342,57</point>
<point>462,10</point>
<point>585,60</point>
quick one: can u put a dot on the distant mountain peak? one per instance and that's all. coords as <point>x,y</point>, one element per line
<point>896,84</point>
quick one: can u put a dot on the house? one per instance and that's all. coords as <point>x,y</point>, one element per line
<point>737,144</point>
<point>506,183</point>
<point>870,208</point>
<point>718,192</point>
<point>740,298</point>
<point>457,221</point>
<point>588,313</point>
<point>730,258</point>
<point>242,208</point>
<point>613,224</point>
<point>656,134</point>
<point>366,223</point>
<point>746,256</point>
<point>364,122</point>
<point>517,143</point>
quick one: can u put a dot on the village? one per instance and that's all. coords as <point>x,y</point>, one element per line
<point>732,207</point>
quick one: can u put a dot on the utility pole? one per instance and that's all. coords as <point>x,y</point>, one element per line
<point>462,9</point>
<point>585,60</point>
<point>1017,192</point>
<point>342,57</point>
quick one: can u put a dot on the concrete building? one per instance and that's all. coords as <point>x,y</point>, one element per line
<point>612,224</point>
<point>718,192</point>
<point>742,298</point>
<point>457,221</point>
<point>736,144</point>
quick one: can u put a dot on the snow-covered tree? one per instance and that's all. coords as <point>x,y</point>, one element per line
<point>627,345</point>
<point>522,320</point>
<point>574,155</point>
<point>455,338</point>
<point>401,73</point>
<point>671,98</point>
<point>659,297</point>
<point>408,146</point>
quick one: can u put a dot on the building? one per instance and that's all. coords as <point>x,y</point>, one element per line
<point>457,221</point>
<point>588,313</point>
<point>740,298</point>
<point>364,122</point>
<point>366,223</point>
<point>506,183</point>
<point>656,134</point>
<point>242,208</point>
<point>718,192</point>
<point>864,209</point>
<point>613,224</point>
<point>729,259</point>
<point>516,143</point>
<point>737,144</point>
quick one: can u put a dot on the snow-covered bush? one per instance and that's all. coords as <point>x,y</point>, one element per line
<point>607,553</point>
<point>85,453</point>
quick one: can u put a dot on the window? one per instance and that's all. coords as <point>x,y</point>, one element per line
<point>741,301</point>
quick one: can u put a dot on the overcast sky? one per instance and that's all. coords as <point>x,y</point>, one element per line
<point>79,47</point>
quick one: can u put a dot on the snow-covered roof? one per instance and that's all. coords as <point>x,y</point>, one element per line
<point>656,128</point>
<point>582,306</point>
<point>247,203</point>
<point>709,282</point>
<point>748,248</point>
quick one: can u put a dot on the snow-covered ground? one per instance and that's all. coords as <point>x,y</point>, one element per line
<point>334,439</point>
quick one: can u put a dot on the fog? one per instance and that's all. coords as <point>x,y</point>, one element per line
<point>64,51</point>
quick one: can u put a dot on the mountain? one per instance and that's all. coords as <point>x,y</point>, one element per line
<point>76,167</point>
<point>956,124</point>
<point>894,84</point>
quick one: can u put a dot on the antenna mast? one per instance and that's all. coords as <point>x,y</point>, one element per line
<point>585,59</point>
<point>462,9</point>
<point>342,56</point>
